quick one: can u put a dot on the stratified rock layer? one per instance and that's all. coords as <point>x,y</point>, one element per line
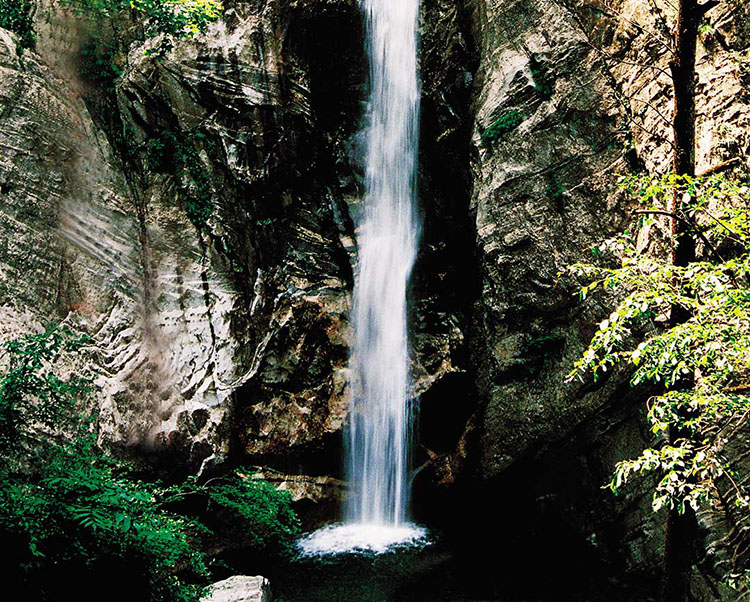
<point>568,95</point>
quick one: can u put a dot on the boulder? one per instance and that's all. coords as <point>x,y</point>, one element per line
<point>239,588</point>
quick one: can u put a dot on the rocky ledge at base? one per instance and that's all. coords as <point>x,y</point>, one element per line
<point>239,589</point>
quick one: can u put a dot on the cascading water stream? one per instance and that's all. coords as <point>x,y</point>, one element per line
<point>379,433</point>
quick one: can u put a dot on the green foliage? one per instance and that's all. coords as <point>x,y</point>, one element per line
<point>170,152</point>
<point>31,394</point>
<point>178,18</point>
<point>98,64</point>
<point>257,510</point>
<point>507,122</point>
<point>711,349</point>
<point>67,504</point>
<point>82,510</point>
<point>17,16</point>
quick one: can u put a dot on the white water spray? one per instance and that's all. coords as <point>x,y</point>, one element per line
<point>378,438</point>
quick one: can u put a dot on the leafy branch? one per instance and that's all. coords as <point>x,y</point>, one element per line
<point>710,349</point>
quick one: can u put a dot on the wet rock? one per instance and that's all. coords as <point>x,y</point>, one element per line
<point>196,221</point>
<point>208,247</point>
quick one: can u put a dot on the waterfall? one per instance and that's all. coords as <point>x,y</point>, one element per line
<point>378,435</point>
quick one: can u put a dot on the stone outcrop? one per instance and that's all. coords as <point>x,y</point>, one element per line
<point>197,219</point>
<point>238,104</point>
<point>564,84</point>
<point>239,589</point>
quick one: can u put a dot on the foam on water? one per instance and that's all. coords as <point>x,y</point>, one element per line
<point>361,538</point>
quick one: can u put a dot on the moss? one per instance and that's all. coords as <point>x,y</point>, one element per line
<point>544,82</point>
<point>555,192</point>
<point>548,343</point>
<point>507,122</point>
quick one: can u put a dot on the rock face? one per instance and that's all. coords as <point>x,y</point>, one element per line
<point>230,123</point>
<point>560,83</point>
<point>196,217</point>
<point>240,589</point>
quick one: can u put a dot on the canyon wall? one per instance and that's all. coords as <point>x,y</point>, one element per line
<point>196,217</point>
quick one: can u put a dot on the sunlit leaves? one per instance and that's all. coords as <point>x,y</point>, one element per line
<point>31,392</point>
<point>710,349</point>
<point>179,18</point>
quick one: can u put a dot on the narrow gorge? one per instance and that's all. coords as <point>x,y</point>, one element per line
<point>303,269</point>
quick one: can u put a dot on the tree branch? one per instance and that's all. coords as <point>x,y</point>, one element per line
<point>738,388</point>
<point>612,57</point>
<point>687,223</point>
<point>650,106</point>
<point>614,13</point>
<point>719,167</point>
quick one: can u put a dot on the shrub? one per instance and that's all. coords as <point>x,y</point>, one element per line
<point>256,509</point>
<point>82,511</point>
<point>17,16</point>
<point>31,394</point>
<point>700,364</point>
<point>179,18</point>
<point>73,518</point>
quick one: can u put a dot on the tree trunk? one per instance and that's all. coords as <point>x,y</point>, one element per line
<point>689,17</point>
<point>682,67</point>
<point>681,529</point>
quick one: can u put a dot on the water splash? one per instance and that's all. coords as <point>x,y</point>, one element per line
<point>356,538</point>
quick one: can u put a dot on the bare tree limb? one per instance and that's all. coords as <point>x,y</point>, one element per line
<point>651,106</point>
<point>611,12</point>
<point>719,167</point>
<point>610,56</point>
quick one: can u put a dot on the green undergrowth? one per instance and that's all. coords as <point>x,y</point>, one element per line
<point>75,520</point>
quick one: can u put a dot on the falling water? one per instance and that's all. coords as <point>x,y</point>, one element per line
<point>379,431</point>
<point>378,434</point>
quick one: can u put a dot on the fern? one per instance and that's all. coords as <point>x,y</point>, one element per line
<point>65,501</point>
